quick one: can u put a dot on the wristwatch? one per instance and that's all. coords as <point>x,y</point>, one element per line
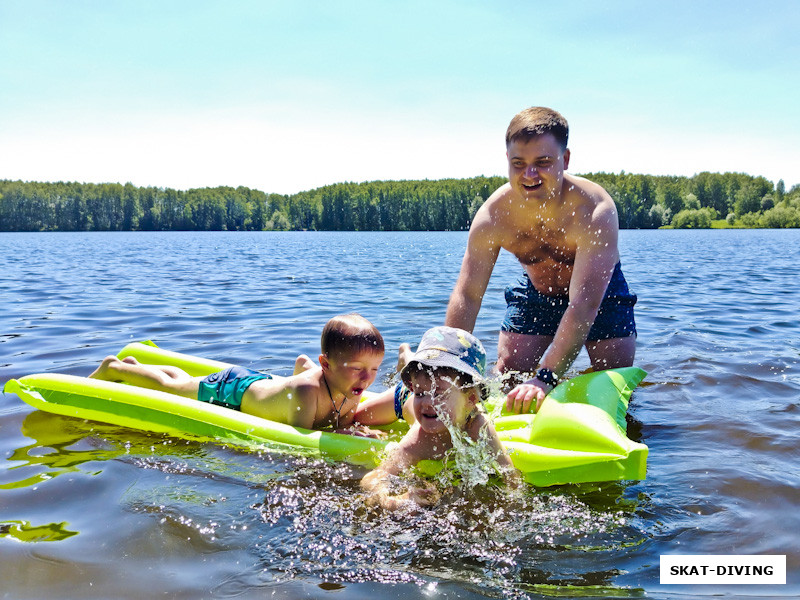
<point>545,375</point>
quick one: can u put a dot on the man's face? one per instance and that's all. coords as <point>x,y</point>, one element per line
<point>536,167</point>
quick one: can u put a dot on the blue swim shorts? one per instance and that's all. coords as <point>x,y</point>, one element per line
<point>227,387</point>
<point>533,313</point>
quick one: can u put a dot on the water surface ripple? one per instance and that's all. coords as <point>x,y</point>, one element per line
<point>89,510</point>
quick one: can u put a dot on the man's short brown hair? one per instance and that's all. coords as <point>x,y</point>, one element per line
<point>536,121</point>
<point>350,334</point>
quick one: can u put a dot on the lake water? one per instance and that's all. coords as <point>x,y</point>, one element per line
<point>94,511</point>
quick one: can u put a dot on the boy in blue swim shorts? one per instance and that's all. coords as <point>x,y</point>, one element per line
<point>313,397</point>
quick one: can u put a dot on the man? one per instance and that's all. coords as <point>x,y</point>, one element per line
<point>563,229</point>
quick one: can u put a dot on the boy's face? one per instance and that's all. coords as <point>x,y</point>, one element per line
<point>351,373</point>
<point>536,167</point>
<point>438,399</point>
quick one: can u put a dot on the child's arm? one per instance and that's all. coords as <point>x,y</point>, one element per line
<point>388,406</point>
<point>413,497</point>
<point>377,410</point>
<point>377,483</point>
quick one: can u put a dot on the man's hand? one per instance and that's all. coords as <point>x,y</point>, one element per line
<point>521,398</point>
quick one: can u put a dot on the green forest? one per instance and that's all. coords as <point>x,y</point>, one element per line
<point>643,201</point>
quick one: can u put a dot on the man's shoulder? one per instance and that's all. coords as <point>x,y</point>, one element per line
<point>588,198</point>
<point>494,207</point>
<point>500,194</point>
<point>574,184</point>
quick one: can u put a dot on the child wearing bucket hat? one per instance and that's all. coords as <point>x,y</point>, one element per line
<point>447,378</point>
<point>468,358</point>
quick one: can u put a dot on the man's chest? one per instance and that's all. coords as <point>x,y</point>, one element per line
<point>533,246</point>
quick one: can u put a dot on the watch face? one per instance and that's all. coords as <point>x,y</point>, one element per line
<point>547,376</point>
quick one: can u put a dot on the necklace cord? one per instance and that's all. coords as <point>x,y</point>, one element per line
<point>338,411</point>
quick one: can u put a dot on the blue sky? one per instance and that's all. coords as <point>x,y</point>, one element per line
<point>288,96</point>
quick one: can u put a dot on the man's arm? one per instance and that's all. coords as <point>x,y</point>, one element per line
<point>590,277</point>
<point>480,257</point>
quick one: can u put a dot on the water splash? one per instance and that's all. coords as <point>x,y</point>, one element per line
<point>469,463</point>
<point>319,527</point>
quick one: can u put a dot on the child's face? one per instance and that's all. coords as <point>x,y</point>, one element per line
<point>352,373</point>
<point>439,398</point>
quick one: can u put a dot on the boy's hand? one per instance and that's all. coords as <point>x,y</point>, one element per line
<point>363,431</point>
<point>423,496</point>
<point>414,498</point>
<point>520,399</point>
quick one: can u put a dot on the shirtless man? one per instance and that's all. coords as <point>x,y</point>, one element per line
<point>563,229</point>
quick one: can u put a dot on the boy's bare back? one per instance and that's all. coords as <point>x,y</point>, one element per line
<point>300,400</point>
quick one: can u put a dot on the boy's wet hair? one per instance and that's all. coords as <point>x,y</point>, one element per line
<point>535,121</point>
<point>350,334</point>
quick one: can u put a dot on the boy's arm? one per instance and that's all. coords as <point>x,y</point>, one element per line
<point>377,483</point>
<point>382,409</point>
<point>376,410</point>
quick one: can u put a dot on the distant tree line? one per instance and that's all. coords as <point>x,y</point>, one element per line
<point>374,206</point>
<point>643,201</point>
<point>648,201</point>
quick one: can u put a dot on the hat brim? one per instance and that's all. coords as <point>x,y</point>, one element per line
<point>444,359</point>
